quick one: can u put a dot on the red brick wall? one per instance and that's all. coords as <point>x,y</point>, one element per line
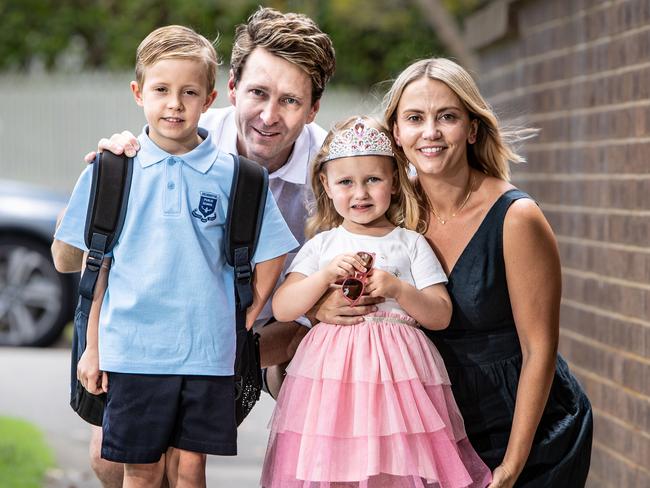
<point>580,71</point>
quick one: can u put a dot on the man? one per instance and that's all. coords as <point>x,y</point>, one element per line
<point>280,65</point>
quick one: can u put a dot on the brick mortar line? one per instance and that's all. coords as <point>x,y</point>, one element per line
<point>612,350</point>
<point>621,423</point>
<point>598,479</point>
<point>590,275</point>
<point>603,245</point>
<point>545,146</point>
<point>618,456</point>
<point>525,176</point>
<point>549,85</point>
<point>604,313</point>
<point>600,379</point>
<point>545,116</point>
<point>566,20</point>
<point>581,209</point>
<point>555,53</point>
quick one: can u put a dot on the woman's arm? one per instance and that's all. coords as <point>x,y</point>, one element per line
<point>534,282</point>
<point>88,373</point>
<point>299,293</point>
<point>265,276</point>
<point>430,306</point>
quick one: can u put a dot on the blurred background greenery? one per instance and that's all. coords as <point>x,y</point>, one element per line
<point>373,40</point>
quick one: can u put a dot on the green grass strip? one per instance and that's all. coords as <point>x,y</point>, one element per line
<point>24,454</point>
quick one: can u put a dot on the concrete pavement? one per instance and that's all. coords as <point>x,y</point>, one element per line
<point>34,386</point>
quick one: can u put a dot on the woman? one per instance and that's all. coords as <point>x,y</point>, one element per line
<point>525,414</point>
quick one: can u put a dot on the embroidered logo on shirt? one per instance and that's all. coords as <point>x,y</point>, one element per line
<point>206,210</point>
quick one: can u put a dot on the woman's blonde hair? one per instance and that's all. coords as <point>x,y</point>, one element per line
<point>493,149</point>
<point>404,210</point>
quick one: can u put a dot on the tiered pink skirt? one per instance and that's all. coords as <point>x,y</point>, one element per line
<point>369,406</point>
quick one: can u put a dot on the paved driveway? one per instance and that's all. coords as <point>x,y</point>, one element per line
<point>34,386</point>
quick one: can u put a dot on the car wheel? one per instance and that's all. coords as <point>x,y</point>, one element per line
<point>35,300</point>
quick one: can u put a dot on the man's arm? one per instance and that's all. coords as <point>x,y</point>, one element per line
<point>67,258</point>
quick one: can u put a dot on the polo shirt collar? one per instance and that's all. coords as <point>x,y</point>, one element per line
<point>293,171</point>
<point>201,158</point>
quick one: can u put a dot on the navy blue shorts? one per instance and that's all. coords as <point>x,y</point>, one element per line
<point>147,414</point>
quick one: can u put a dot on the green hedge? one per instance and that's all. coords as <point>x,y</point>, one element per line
<point>24,454</point>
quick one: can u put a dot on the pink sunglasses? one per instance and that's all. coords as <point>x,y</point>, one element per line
<point>354,286</point>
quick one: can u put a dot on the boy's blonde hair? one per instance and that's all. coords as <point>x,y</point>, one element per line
<point>176,42</point>
<point>494,146</point>
<point>293,37</point>
<point>403,211</point>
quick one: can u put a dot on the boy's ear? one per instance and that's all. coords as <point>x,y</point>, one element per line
<point>209,100</point>
<point>323,180</point>
<point>137,94</point>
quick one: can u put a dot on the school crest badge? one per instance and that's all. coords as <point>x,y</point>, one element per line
<point>206,211</point>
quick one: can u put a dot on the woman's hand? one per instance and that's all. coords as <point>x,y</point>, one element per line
<point>502,478</point>
<point>333,308</point>
<point>88,373</point>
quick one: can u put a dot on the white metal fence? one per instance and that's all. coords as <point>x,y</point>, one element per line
<point>48,122</point>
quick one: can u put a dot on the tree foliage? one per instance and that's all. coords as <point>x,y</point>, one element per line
<point>373,40</point>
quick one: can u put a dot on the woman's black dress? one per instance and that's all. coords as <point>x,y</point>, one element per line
<point>483,357</point>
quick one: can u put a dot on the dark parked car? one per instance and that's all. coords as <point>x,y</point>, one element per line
<point>36,302</point>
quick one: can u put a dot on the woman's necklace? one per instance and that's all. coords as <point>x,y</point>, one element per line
<point>460,207</point>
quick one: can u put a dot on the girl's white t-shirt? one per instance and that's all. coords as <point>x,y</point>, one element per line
<point>404,253</point>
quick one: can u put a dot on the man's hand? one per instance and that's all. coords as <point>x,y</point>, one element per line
<point>333,308</point>
<point>124,142</point>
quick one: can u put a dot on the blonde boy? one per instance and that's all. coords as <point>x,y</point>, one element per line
<point>166,328</point>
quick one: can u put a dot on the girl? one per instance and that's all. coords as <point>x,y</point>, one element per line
<point>367,405</point>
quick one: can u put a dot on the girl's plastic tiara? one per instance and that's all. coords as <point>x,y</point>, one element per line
<point>359,140</point>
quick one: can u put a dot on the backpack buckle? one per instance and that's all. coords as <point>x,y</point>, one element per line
<point>94,260</point>
<point>243,272</point>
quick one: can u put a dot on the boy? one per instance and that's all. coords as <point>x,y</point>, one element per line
<point>166,327</point>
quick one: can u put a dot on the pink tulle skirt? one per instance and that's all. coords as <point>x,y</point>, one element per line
<point>369,406</point>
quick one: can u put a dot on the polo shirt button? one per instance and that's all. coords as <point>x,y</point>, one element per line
<point>171,161</point>
<point>171,185</point>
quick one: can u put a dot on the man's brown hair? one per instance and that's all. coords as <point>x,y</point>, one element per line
<point>293,37</point>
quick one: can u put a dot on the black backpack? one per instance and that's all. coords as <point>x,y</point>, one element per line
<point>106,211</point>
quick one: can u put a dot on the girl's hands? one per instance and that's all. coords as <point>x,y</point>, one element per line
<point>344,265</point>
<point>88,373</point>
<point>502,478</point>
<point>381,283</point>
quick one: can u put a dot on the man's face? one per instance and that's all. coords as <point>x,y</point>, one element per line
<point>272,105</point>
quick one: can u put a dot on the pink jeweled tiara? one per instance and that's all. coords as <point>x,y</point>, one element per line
<point>359,140</point>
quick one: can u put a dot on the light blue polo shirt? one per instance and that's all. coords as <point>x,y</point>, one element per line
<point>169,307</point>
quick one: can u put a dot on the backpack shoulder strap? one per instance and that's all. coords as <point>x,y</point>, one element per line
<point>243,222</point>
<point>109,195</point>
<point>107,204</point>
